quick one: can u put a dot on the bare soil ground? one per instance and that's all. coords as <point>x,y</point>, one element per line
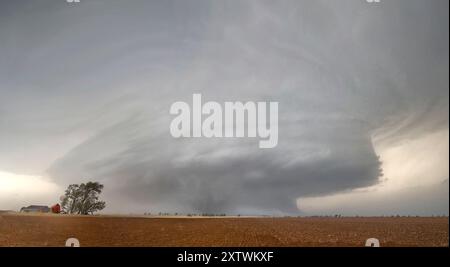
<point>53,230</point>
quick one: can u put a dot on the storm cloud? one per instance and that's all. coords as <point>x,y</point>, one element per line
<point>86,90</point>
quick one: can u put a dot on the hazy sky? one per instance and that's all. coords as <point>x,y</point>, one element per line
<point>363,91</point>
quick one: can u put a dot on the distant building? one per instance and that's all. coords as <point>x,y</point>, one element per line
<point>56,208</point>
<point>35,208</point>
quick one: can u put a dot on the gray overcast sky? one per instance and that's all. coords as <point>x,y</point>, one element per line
<point>85,92</point>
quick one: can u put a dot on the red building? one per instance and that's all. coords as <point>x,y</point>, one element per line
<point>56,208</point>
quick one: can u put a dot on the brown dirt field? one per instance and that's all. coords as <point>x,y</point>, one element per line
<point>53,230</point>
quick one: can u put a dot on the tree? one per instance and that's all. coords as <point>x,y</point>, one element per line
<point>83,198</point>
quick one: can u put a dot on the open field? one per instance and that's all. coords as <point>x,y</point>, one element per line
<point>53,230</point>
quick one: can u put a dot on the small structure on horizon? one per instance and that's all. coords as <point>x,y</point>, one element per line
<point>35,208</point>
<point>56,208</point>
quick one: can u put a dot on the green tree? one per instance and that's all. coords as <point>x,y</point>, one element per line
<point>83,198</point>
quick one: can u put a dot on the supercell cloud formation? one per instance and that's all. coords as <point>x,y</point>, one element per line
<point>85,92</point>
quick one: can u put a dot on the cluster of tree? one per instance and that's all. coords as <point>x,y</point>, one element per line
<point>206,214</point>
<point>82,198</point>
